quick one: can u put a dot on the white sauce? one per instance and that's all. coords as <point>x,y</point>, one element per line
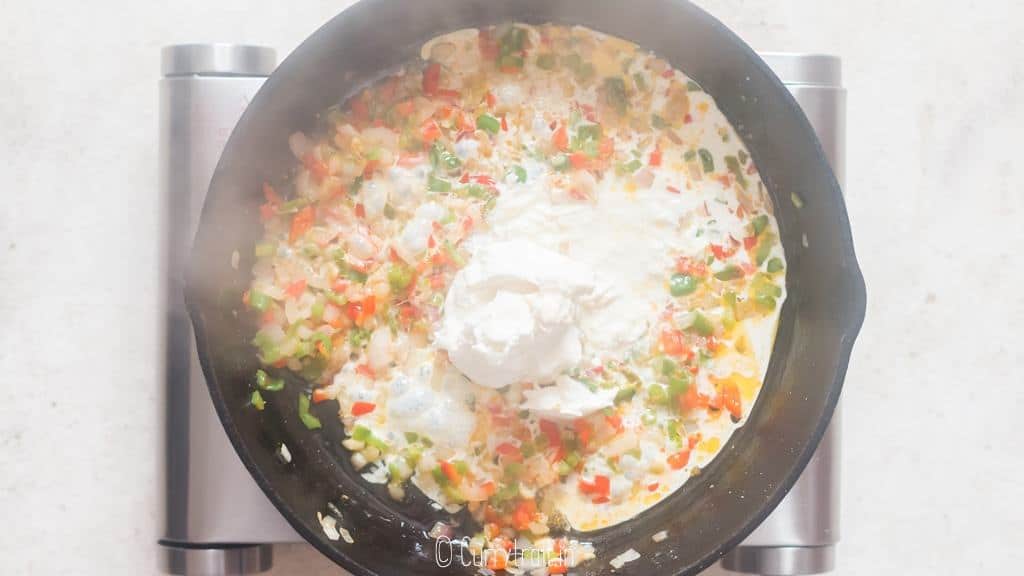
<point>567,399</point>
<point>433,405</point>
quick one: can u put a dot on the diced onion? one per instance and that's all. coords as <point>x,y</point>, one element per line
<point>299,144</point>
<point>624,558</point>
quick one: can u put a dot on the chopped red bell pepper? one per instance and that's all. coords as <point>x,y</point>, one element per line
<point>721,252</point>
<point>354,311</point>
<point>489,488</point>
<point>552,432</point>
<point>655,159</point>
<point>370,305</point>
<point>301,223</point>
<point>267,211</point>
<point>429,131</point>
<point>579,160</point>
<point>295,289</point>
<point>497,560</point>
<point>510,451</point>
<point>584,431</point>
<point>431,78</point>
<point>693,399</point>
<point>679,460</point>
<point>315,166</point>
<point>362,408</point>
<point>560,139</point>
<point>523,514</point>
<point>270,195</point>
<point>370,167</point>
<point>599,489</point>
<point>268,317</point>
<point>450,472</point>
<point>615,421</point>
<point>365,370</point>
<point>690,266</point>
<point>673,343</point>
<point>448,95</point>
<point>730,395</point>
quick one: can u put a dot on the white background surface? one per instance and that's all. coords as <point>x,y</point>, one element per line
<point>932,447</point>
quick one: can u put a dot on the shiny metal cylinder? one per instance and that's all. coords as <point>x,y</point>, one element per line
<point>800,535</point>
<point>214,514</point>
<point>220,561</point>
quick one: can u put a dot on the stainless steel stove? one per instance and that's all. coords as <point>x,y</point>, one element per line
<point>217,522</point>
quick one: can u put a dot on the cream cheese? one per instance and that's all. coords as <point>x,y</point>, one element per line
<point>511,315</point>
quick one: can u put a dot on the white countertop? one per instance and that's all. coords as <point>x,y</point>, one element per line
<point>932,465</point>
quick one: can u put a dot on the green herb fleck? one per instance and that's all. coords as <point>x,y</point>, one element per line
<point>356,275</point>
<point>701,325</point>
<point>257,400</point>
<point>733,165</point>
<point>678,384</point>
<point>442,159</point>
<point>317,311</point>
<point>488,124</point>
<point>358,337</point>
<point>682,284</point>
<point>264,250</point>
<point>615,94</point>
<point>453,254</point>
<point>629,167</point>
<point>764,249</point>
<point>313,368</point>
<point>730,272</point>
<point>582,70</point>
<point>311,422</point>
<point>265,382</point>
<point>759,224</point>
<point>357,184</point>
<point>638,79</point>
<point>546,61</point>
<point>706,160</point>
<point>657,395</point>
<point>259,301</point>
<point>399,277</point>
<point>625,394</point>
<point>435,184</point>
<point>520,173</point>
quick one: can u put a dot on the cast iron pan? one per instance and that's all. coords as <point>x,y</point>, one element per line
<point>715,510</point>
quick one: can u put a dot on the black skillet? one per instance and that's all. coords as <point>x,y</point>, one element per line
<point>715,510</point>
